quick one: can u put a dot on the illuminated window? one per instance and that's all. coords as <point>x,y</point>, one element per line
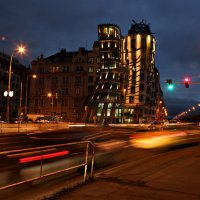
<point>91,69</point>
<point>98,59</point>
<point>91,60</point>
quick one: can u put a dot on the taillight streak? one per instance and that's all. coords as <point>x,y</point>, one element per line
<point>45,156</point>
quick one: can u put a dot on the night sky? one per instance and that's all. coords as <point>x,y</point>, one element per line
<point>47,26</point>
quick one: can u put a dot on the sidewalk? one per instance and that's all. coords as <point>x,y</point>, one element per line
<point>10,129</point>
<point>174,175</point>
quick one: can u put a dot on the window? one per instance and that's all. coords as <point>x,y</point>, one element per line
<point>132,89</point>
<point>90,79</point>
<point>77,80</point>
<point>143,43</point>
<point>77,102</point>
<point>141,98</point>
<point>91,60</point>
<point>90,89</point>
<point>131,99</point>
<point>133,42</point>
<point>91,69</point>
<point>63,102</point>
<point>65,69</point>
<point>98,59</point>
<point>55,69</point>
<point>142,77</point>
<point>142,87</point>
<point>65,80</point>
<point>77,91</point>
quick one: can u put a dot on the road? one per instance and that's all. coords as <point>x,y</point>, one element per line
<point>114,146</point>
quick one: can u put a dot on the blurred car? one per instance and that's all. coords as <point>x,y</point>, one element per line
<point>158,139</point>
<point>41,120</point>
<point>156,125</point>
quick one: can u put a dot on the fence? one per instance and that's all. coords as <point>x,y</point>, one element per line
<point>41,156</point>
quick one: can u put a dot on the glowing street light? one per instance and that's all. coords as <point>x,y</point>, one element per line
<point>50,95</point>
<point>21,50</point>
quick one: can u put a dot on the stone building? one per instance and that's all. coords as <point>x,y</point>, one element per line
<point>63,82</point>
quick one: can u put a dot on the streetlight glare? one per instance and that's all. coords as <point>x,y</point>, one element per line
<point>49,94</point>
<point>21,49</point>
<point>34,76</point>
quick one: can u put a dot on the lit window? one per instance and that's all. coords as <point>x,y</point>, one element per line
<point>91,60</point>
<point>91,69</point>
<point>98,59</point>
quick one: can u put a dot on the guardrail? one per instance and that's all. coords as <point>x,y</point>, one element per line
<point>42,156</point>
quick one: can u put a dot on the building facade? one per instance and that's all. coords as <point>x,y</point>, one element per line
<point>63,82</point>
<point>128,88</point>
<point>106,100</point>
<point>117,81</point>
<point>143,95</point>
<point>17,85</point>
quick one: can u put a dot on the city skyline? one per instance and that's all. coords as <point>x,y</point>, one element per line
<point>46,29</point>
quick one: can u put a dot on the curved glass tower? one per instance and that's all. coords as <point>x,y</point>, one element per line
<point>105,101</point>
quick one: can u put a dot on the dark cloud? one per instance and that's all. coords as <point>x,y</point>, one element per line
<point>48,25</point>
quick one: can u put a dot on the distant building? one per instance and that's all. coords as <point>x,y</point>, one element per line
<point>128,88</point>
<point>63,83</point>
<point>18,79</point>
<point>116,82</point>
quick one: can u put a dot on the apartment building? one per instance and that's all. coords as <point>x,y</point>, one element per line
<point>63,82</point>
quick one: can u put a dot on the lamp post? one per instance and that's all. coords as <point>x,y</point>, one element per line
<point>20,101</point>
<point>20,49</point>
<point>50,95</point>
<point>26,93</point>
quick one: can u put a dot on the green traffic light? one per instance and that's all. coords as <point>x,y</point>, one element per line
<point>170,87</point>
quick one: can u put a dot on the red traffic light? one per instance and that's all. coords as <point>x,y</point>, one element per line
<point>186,81</point>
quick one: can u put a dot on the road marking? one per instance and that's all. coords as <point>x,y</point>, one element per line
<point>95,136</point>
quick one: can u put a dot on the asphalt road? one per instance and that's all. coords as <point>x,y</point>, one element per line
<point>114,147</point>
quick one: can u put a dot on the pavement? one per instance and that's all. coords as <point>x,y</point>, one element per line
<point>171,175</point>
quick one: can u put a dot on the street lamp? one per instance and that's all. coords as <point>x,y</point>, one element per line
<point>21,50</point>
<point>26,93</point>
<point>51,102</point>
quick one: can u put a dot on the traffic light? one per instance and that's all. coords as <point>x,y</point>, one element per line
<point>186,81</point>
<point>170,85</point>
